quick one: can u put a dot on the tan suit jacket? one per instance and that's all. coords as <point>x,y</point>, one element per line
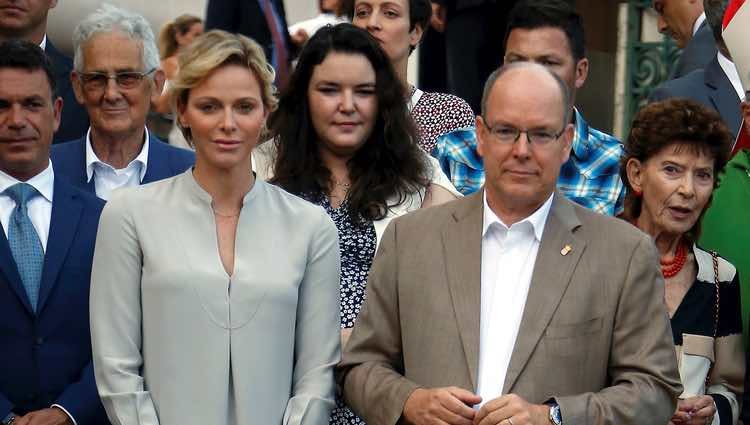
<point>595,334</point>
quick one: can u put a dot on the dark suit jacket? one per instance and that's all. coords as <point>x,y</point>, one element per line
<point>164,161</point>
<point>246,17</point>
<point>594,334</point>
<point>698,52</point>
<point>709,86</point>
<point>74,121</point>
<point>46,357</point>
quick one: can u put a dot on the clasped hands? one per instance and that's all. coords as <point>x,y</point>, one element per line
<point>49,416</point>
<point>698,410</point>
<point>452,406</point>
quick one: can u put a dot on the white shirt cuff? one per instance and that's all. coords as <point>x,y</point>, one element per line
<point>72,419</point>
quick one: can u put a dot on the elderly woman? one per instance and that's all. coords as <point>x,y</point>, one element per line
<point>344,141</point>
<point>673,153</point>
<point>214,295</point>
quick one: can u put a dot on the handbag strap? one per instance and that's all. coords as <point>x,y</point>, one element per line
<point>715,258</point>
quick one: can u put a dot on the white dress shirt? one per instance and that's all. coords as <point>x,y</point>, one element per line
<point>731,72</point>
<point>508,258</point>
<point>107,178</point>
<point>698,22</point>
<point>39,208</point>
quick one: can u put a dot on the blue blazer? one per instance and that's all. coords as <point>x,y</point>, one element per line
<point>74,120</point>
<point>699,51</point>
<point>709,86</point>
<point>69,160</point>
<point>45,357</point>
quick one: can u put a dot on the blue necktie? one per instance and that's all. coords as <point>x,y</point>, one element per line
<point>24,242</point>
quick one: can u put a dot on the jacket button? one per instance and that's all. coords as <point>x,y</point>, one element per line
<point>39,341</point>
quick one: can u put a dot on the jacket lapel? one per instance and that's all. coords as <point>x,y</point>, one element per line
<point>10,272</point>
<point>552,272</point>
<point>66,213</point>
<point>158,167</point>
<point>723,96</point>
<point>462,247</point>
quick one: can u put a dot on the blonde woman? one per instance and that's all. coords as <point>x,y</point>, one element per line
<point>214,295</point>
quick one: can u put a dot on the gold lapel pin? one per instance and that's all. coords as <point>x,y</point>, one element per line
<point>566,249</point>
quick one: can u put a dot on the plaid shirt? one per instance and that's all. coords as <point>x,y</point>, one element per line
<point>590,177</point>
<point>457,154</point>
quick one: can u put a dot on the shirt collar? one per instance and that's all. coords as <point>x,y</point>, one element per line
<point>537,219</point>
<point>731,72</point>
<point>92,159</point>
<point>42,182</point>
<point>43,44</point>
<point>698,22</point>
<point>581,136</point>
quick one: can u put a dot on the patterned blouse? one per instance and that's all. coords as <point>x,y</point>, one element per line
<point>693,333</point>
<point>438,113</point>
<point>357,247</point>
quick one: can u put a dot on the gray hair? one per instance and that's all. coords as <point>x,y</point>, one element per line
<point>110,19</point>
<point>492,79</point>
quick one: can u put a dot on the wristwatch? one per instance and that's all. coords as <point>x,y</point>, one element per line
<point>554,414</point>
<point>8,420</point>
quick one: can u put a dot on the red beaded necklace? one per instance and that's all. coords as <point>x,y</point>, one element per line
<point>671,268</point>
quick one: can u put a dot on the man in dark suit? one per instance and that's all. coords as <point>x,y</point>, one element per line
<point>684,21</point>
<point>474,31</point>
<point>262,20</point>
<point>28,20</point>
<point>718,85</point>
<point>118,150</point>
<point>46,251</point>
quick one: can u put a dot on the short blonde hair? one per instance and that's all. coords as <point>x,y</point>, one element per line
<point>212,50</point>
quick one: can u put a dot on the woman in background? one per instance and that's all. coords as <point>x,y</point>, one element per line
<point>214,295</point>
<point>174,37</point>
<point>398,26</point>
<point>673,154</point>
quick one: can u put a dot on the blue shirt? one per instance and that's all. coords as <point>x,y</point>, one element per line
<point>590,177</point>
<point>457,154</point>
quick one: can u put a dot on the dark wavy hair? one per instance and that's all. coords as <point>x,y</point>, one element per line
<point>676,121</point>
<point>389,164</point>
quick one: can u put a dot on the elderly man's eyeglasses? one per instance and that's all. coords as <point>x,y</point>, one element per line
<point>509,135</point>
<point>124,79</point>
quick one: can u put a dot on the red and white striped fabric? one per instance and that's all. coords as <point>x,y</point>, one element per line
<point>732,8</point>
<point>736,32</point>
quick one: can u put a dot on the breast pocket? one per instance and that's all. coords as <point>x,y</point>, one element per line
<point>569,340</point>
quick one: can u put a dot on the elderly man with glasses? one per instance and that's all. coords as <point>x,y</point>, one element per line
<point>540,311</point>
<point>116,76</point>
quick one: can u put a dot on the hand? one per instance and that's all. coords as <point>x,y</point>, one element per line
<point>697,410</point>
<point>450,405</point>
<point>345,334</point>
<point>437,20</point>
<point>511,406</point>
<point>300,37</point>
<point>50,416</point>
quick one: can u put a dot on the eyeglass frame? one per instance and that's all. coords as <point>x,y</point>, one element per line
<point>530,138</point>
<point>87,84</point>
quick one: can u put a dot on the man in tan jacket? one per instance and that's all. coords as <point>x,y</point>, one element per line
<point>514,306</point>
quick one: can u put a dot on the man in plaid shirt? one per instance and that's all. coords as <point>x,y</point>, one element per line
<point>549,32</point>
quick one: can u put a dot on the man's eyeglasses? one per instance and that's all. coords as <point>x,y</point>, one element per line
<point>509,135</point>
<point>124,79</point>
